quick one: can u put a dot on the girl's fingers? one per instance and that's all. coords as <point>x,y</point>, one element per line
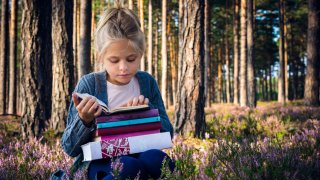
<point>96,114</point>
<point>135,101</point>
<point>130,102</point>
<point>146,101</point>
<point>141,99</point>
<point>75,99</point>
<point>82,104</point>
<point>89,104</point>
<point>94,107</point>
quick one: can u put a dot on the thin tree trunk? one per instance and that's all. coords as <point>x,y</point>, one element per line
<point>311,91</point>
<point>250,55</point>
<point>189,113</point>
<point>85,38</point>
<point>206,50</point>
<point>227,54</point>
<point>236,52</point>
<point>4,56</point>
<point>281,81</point>
<point>243,55</point>
<point>172,65</point>
<point>141,15</point>
<point>220,90</point>
<point>36,64</point>
<point>156,58</point>
<point>62,63</point>
<point>75,39</point>
<point>150,37</point>
<point>270,83</point>
<point>285,41</point>
<point>164,53</point>
<point>12,109</point>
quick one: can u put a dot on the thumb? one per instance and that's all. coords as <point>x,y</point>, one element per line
<point>75,99</point>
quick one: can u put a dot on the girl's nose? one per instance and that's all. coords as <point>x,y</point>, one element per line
<point>123,66</point>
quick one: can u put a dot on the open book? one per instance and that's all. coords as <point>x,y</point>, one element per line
<point>107,110</point>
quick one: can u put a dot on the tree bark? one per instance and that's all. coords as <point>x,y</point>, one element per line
<point>36,56</point>
<point>141,15</point>
<point>281,81</point>
<point>4,56</point>
<point>311,91</point>
<point>250,55</point>
<point>206,50</point>
<point>227,54</point>
<point>236,52</point>
<point>75,39</point>
<point>150,37</point>
<point>243,55</point>
<point>220,90</point>
<point>156,58</point>
<point>189,111</point>
<point>164,53</point>
<point>85,38</point>
<point>62,68</point>
<point>12,105</point>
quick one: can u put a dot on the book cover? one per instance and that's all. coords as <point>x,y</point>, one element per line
<point>128,122</point>
<point>128,115</point>
<point>106,110</point>
<point>125,135</point>
<point>125,146</point>
<point>128,129</point>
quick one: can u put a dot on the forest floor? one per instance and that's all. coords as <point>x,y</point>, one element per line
<point>270,141</point>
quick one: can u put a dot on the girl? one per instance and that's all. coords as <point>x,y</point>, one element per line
<point>120,45</point>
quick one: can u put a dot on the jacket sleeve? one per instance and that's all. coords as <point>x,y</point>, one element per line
<point>76,133</point>
<point>157,102</point>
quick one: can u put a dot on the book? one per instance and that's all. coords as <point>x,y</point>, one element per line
<point>128,122</point>
<point>106,110</point>
<point>125,146</point>
<point>138,133</point>
<point>128,129</point>
<point>128,115</point>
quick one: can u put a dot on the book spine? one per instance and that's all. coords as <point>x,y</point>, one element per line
<point>128,116</point>
<point>128,122</point>
<point>125,146</point>
<point>139,133</point>
<point>128,129</point>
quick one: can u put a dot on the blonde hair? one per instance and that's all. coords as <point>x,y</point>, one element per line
<point>119,23</point>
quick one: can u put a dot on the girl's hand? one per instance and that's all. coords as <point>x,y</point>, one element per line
<point>88,108</point>
<point>140,100</point>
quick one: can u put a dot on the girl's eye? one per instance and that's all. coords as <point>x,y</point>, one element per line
<point>131,59</point>
<point>114,60</point>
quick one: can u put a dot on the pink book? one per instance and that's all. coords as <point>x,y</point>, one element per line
<point>124,146</point>
<point>117,136</point>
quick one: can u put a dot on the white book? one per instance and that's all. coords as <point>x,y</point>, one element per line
<point>124,146</point>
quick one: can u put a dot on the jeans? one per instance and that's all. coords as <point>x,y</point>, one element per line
<point>148,164</point>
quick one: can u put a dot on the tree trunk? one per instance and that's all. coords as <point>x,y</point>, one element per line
<point>270,82</point>
<point>243,55</point>
<point>62,63</point>
<point>85,38</point>
<point>75,39</point>
<point>236,52</point>
<point>150,37</point>
<point>220,90</point>
<point>12,109</point>
<point>156,58</point>
<point>189,113</point>
<point>250,55</point>
<point>172,65</point>
<point>281,81</point>
<point>206,50</point>
<point>164,53</point>
<point>227,54</point>
<point>311,91</point>
<point>285,48</point>
<point>36,64</point>
<point>141,15</point>
<point>4,56</point>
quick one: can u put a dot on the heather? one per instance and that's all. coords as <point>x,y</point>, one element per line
<point>268,142</point>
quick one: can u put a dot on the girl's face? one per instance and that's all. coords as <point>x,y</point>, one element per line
<point>122,62</point>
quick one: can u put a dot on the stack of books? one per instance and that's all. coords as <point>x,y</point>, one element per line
<point>126,130</point>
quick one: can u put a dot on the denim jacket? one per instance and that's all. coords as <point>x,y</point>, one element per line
<point>77,134</point>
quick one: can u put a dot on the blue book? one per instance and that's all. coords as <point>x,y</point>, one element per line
<point>128,122</point>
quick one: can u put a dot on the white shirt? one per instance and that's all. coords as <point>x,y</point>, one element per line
<point>121,94</point>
